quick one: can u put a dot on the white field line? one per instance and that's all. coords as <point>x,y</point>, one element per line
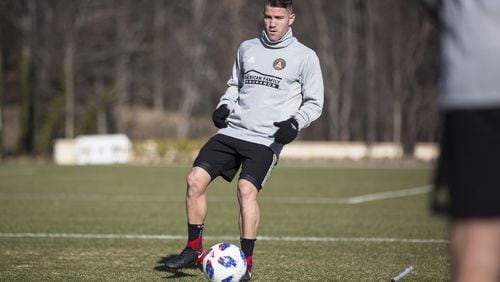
<point>388,195</point>
<point>275,200</point>
<point>221,238</point>
<point>302,200</point>
<point>87,197</point>
<point>153,198</point>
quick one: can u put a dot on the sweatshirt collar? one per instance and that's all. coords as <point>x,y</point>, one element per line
<point>285,41</point>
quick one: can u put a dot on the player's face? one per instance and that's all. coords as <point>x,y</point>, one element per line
<point>277,21</point>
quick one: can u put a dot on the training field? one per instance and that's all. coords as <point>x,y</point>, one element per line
<point>118,223</point>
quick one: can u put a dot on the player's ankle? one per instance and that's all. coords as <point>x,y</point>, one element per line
<point>196,244</point>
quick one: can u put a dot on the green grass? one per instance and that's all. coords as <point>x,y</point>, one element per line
<point>296,202</point>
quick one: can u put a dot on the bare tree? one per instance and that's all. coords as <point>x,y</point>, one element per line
<point>371,92</point>
<point>1,99</point>
<point>409,100</point>
<point>158,54</point>
<point>349,65</point>
<point>26,143</point>
<point>414,59</point>
<point>130,36</point>
<point>71,17</point>
<point>397,83</point>
<point>326,52</point>
<point>190,79</point>
<point>69,86</point>
<point>235,8</point>
<point>124,36</point>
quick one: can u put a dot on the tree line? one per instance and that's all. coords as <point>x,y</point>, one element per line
<point>156,68</point>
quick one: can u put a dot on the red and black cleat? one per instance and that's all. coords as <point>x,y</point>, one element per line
<point>188,257</point>
<point>248,274</point>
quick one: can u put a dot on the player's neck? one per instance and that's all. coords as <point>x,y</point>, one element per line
<point>284,41</point>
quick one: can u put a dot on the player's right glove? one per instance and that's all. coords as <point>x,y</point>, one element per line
<point>220,115</point>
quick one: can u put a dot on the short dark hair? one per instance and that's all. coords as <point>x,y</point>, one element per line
<point>281,4</point>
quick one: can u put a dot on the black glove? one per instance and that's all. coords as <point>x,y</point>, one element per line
<point>219,116</point>
<point>287,132</point>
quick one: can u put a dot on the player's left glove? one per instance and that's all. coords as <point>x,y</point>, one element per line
<point>287,132</point>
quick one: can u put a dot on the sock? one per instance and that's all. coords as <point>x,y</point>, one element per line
<point>247,246</point>
<point>195,234</point>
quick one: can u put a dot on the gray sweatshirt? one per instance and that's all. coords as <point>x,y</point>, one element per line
<point>470,53</point>
<point>271,82</point>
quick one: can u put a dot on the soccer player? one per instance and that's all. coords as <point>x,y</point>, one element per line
<point>275,90</point>
<point>467,185</point>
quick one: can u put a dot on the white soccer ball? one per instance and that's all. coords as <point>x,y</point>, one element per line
<point>224,262</point>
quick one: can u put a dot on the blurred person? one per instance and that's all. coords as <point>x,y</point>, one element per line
<point>467,184</point>
<point>274,91</point>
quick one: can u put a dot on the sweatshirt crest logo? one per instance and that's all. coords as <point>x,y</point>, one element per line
<point>279,64</point>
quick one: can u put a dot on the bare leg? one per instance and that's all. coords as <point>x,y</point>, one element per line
<point>249,209</point>
<point>196,210</point>
<point>475,250</point>
<point>196,197</point>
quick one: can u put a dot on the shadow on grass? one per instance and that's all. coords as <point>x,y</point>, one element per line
<point>160,267</point>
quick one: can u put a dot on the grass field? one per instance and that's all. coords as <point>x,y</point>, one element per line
<point>119,222</point>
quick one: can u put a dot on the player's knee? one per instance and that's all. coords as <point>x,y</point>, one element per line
<point>195,184</point>
<point>246,191</point>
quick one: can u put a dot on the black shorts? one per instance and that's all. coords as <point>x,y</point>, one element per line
<point>467,183</point>
<point>223,155</point>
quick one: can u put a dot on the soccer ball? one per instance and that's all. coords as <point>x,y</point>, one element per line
<point>224,262</point>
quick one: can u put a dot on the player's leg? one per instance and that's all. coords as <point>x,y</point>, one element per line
<point>475,247</point>
<point>467,177</point>
<point>196,197</point>
<point>196,205</point>
<point>196,210</point>
<point>257,165</point>
<point>215,158</point>
<point>249,221</point>
<point>249,209</point>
